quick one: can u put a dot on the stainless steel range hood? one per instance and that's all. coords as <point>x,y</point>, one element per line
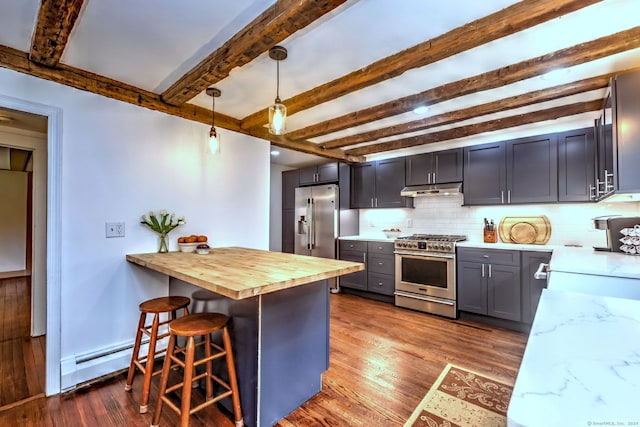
<point>450,189</point>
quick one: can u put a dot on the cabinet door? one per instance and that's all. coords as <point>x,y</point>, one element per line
<point>357,280</point>
<point>532,170</point>
<point>532,287</point>
<point>289,184</point>
<point>307,176</point>
<point>627,132</point>
<point>363,185</point>
<point>327,173</point>
<point>484,174</point>
<point>605,147</point>
<point>381,263</point>
<point>288,230</point>
<point>472,287</point>
<point>447,166</point>
<point>418,169</point>
<point>389,181</point>
<point>503,299</point>
<point>576,165</point>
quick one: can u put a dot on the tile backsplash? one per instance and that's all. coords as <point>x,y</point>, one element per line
<point>571,224</point>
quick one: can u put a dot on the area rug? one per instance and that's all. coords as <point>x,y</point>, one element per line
<point>463,398</point>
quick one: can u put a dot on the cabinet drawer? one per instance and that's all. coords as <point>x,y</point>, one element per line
<point>380,248</point>
<point>353,245</point>
<point>492,256</point>
<point>378,263</point>
<point>381,283</point>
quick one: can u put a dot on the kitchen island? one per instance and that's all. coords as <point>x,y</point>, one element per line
<point>279,306</point>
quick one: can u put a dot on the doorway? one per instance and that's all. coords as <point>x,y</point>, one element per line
<point>43,285</point>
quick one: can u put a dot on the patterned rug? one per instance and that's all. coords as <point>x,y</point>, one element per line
<point>462,398</point>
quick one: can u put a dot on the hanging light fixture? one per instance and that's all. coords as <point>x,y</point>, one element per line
<point>214,138</point>
<point>278,111</point>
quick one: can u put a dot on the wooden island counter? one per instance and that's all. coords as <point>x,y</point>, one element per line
<point>279,306</point>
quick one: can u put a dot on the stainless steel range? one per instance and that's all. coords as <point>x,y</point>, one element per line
<point>426,273</point>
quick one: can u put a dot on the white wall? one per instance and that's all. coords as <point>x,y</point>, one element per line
<point>570,223</point>
<point>118,162</point>
<point>13,220</point>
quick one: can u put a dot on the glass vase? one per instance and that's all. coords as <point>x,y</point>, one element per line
<point>163,243</point>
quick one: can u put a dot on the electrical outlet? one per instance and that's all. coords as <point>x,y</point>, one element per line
<point>409,222</point>
<point>114,229</point>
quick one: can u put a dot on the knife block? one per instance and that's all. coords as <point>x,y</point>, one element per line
<point>490,236</point>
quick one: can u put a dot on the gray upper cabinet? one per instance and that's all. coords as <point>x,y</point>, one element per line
<point>532,170</point>
<point>576,165</point>
<point>378,184</point>
<point>434,168</point>
<point>523,170</point>
<point>484,174</point>
<point>319,174</point>
<point>626,132</point>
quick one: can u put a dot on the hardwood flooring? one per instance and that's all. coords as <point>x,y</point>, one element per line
<point>22,358</point>
<point>383,361</point>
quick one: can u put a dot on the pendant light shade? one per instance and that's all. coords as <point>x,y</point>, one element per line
<point>277,111</point>
<point>214,138</point>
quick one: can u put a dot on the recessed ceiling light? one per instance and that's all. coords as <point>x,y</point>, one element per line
<point>421,110</point>
<point>275,153</point>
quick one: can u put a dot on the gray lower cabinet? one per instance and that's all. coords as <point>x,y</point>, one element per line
<point>489,282</point>
<point>379,274</point>
<point>532,287</point>
<point>354,251</point>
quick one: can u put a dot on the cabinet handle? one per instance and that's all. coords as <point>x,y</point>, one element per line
<point>364,258</point>
<point>372,202</point>
<point>489,270</point>
<point>608,175</point>
<point>592,192</point>
<point>502,197</point>
<point>380,284</point>
<point>434,178</point>
<point>509,197</point>
<point>482,270</point>
<point>380,263</point>
<point>376,202</point>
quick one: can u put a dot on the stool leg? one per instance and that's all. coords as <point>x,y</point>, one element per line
<point>209,364</point>
<point>185,406</point>
<point>233,381</point>
<point>163,380</point>
<point>136,350</point>
<point>148,366</point>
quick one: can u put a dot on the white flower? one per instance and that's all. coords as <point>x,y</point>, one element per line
<point>162,224</point>
<point>163,212</point>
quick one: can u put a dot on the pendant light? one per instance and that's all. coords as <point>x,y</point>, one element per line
<point>214,138</point>
<point>278,111</point>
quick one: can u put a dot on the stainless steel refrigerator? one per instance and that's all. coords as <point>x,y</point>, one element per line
<point>316,220</point>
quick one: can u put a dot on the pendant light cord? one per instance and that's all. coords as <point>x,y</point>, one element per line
<point>278,81</point>
<point>213,112</point>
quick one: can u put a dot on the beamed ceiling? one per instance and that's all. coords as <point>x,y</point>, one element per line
<point>356,69</point>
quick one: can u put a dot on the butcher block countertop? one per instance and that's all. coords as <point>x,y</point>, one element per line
<point>240,273</point>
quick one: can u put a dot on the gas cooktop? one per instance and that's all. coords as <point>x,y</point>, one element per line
<point>429,242</point>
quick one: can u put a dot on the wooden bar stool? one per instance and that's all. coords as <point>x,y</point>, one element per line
<point>190,327</point>
<point>156,306</point>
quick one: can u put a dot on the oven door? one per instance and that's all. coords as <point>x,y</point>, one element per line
<point>429,275</point>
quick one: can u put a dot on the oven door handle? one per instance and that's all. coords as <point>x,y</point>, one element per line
<point>424,256</point>
<point>423,298</point>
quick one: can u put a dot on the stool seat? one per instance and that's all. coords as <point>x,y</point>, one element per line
<point>190,327</point>
<point>198,324</point>
<point>157,306</point>
<point>164,304</point>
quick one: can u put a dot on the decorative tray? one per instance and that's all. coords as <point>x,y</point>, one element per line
<point>534,230</point>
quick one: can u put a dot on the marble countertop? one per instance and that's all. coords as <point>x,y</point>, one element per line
<point>378,237</point>
<point>242,272</point>
<point>506,246</point>
<point>581,366</point>
<point>589,261</point>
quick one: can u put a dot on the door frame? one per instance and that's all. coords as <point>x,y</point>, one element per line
<point>51,244</point>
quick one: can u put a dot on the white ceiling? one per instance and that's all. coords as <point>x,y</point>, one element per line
<point>151,43</point>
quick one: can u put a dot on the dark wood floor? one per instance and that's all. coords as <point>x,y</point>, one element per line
<point>383,361</point>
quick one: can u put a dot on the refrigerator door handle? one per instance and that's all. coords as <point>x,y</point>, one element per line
<point>311,225</point>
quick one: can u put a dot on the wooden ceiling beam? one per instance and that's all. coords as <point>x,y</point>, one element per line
<point>477,128</point>
<point>542,95</point>
<point>272,26</point>
<point>579,54</point>
<point>19,61</point>
<point>515,18</point>
<point>56,19</point>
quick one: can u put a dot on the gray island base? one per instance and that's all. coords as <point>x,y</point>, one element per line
<point>281,347</point>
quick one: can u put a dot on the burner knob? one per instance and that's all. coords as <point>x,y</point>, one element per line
<point>449,247</point>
